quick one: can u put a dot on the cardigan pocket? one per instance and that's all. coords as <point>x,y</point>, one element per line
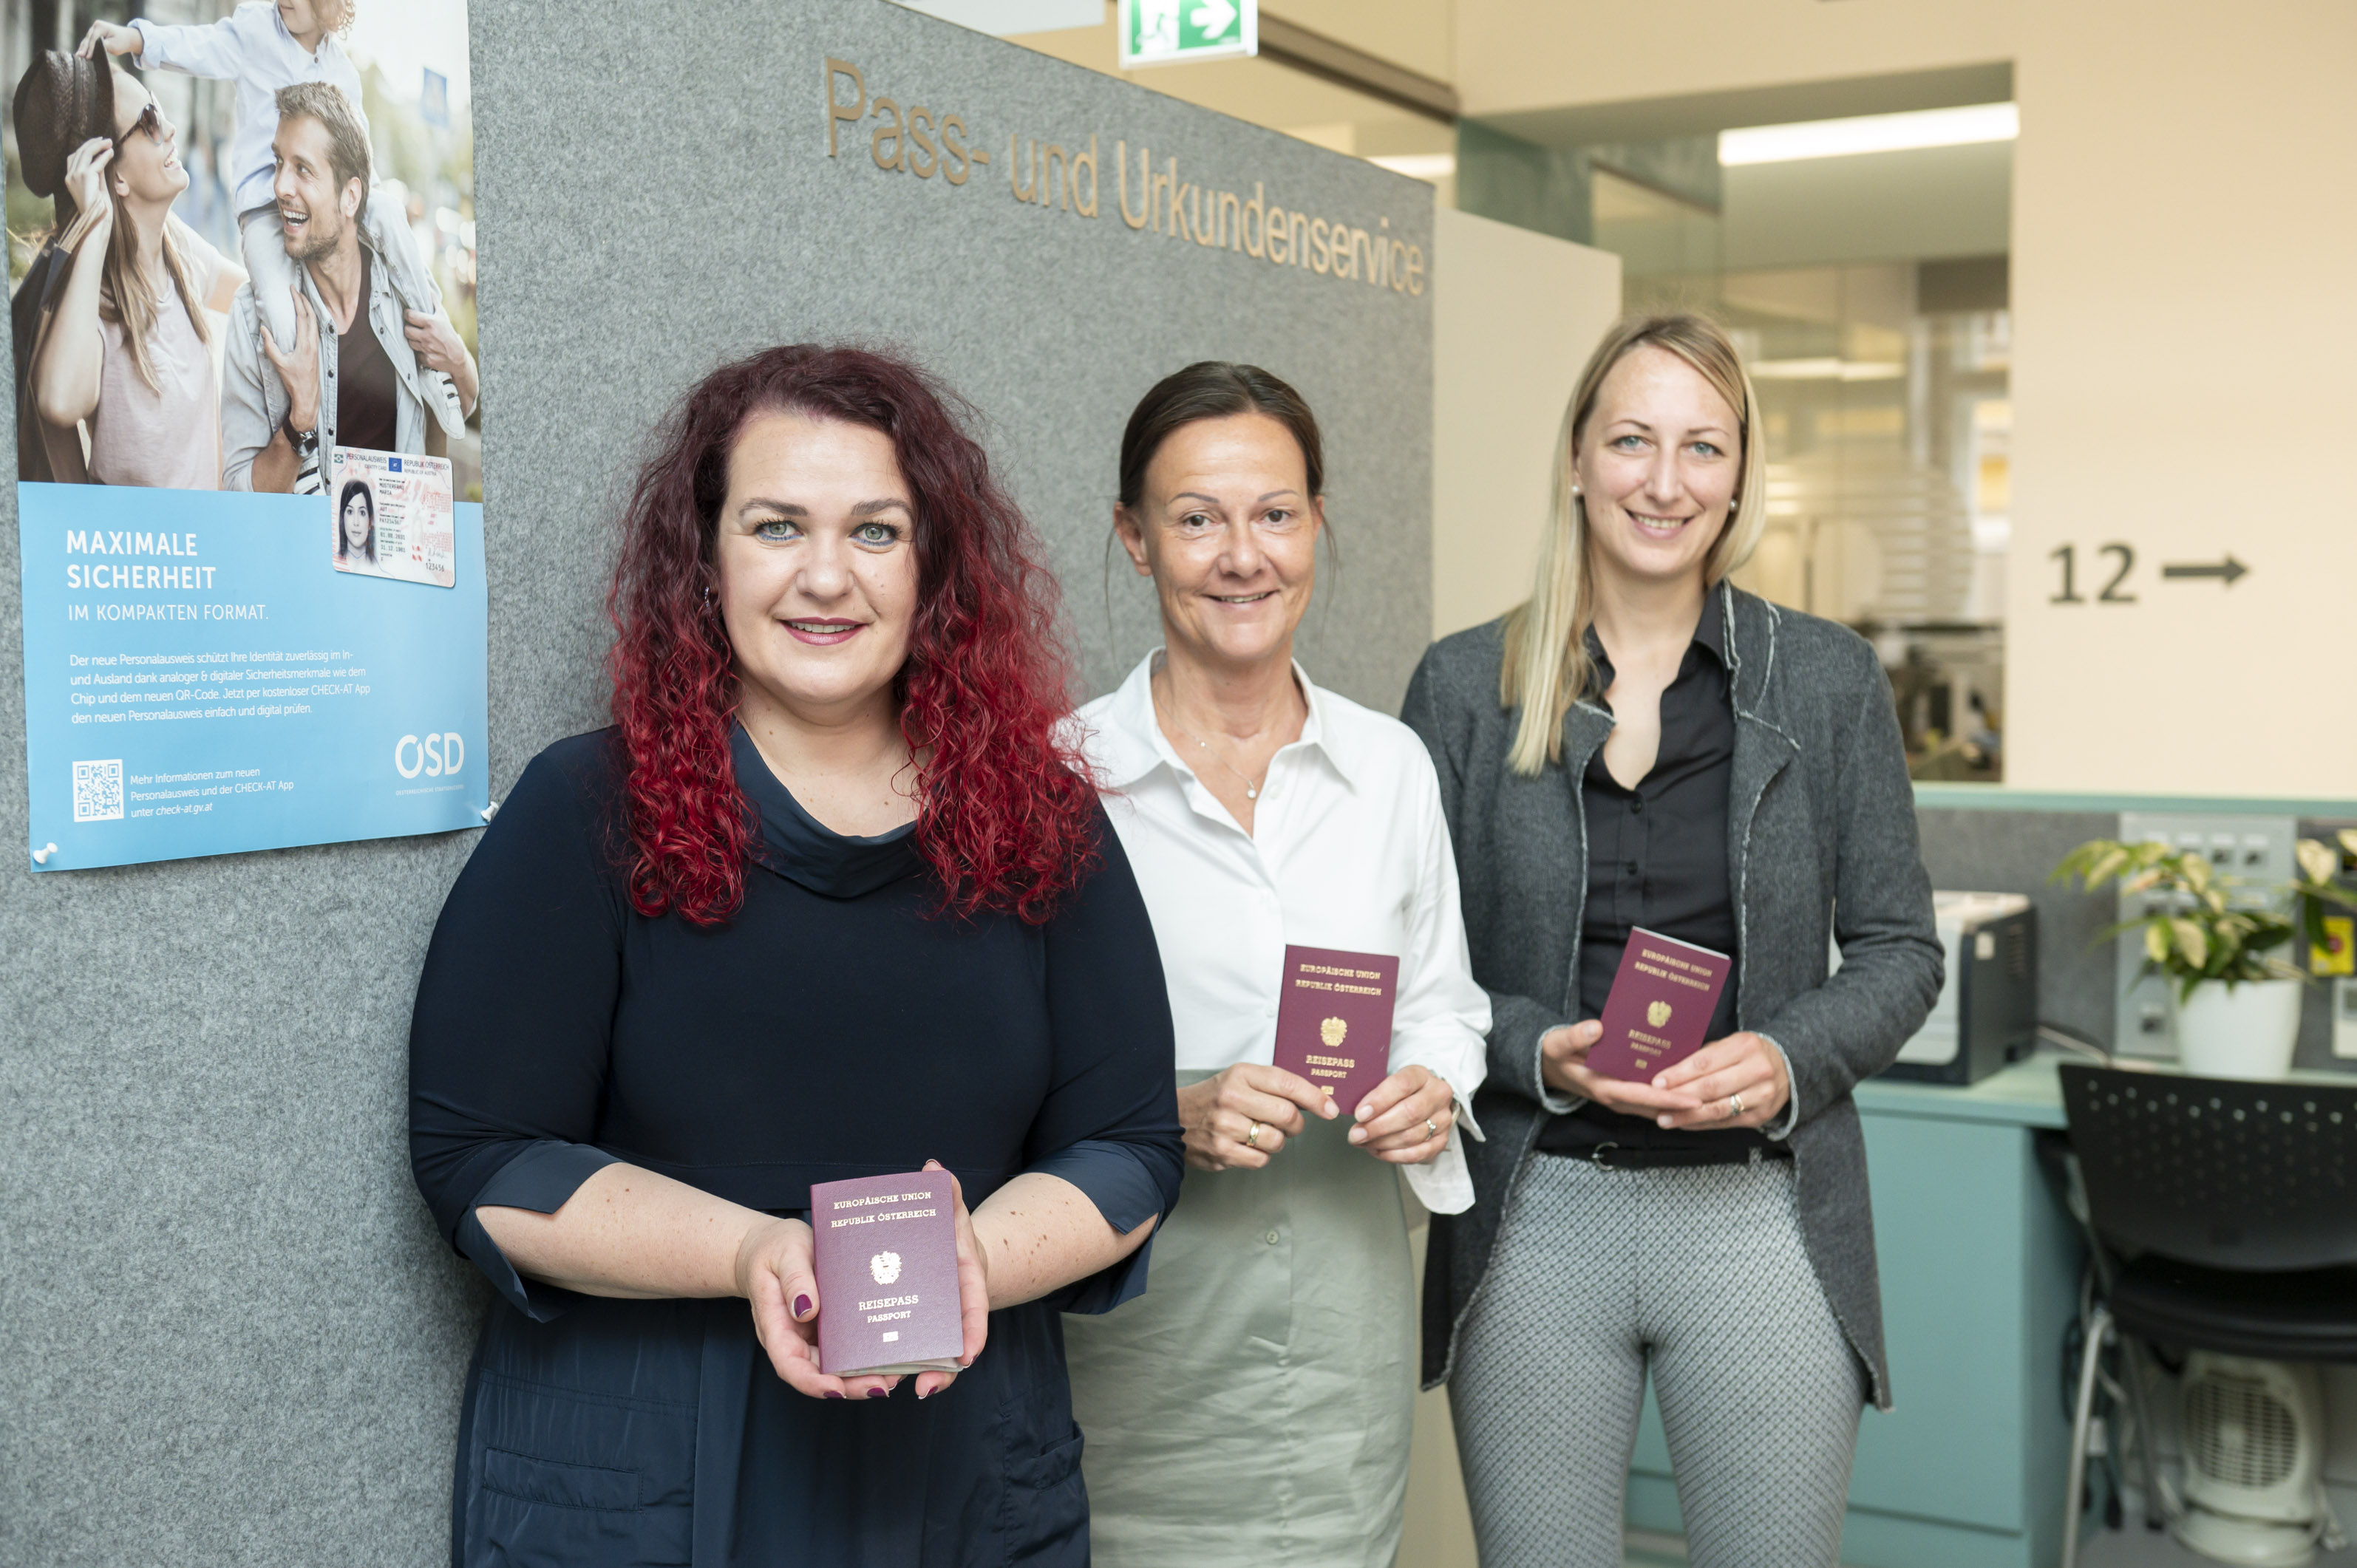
<point>561,1479</point>
<point>1047,1516</point>
<point>553,1481</point>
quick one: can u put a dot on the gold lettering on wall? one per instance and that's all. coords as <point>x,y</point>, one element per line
<point>836,109</point>
<point>1059,176</point>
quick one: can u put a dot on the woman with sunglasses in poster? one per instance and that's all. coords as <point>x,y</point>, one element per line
<point>121,378</point>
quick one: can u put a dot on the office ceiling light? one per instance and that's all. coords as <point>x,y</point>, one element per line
<point>1827,370</point>
<point>1419,166</point>
<point>1869,133</point>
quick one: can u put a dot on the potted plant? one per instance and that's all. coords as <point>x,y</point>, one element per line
<point>2216,939</point>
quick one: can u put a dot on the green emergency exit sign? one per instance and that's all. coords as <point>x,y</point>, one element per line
<point>1168,32</point>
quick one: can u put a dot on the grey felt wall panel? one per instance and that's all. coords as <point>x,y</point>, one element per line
<point>228,1334</point>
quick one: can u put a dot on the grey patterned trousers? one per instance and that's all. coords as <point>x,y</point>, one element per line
<point>1697,1274</point>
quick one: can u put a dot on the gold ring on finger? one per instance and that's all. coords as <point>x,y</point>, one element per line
<point>1252,1138</point>
<point>1430,1131</point>
<point>1733,1106</point>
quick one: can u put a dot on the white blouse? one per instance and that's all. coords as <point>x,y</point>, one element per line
<point>1349,851</point>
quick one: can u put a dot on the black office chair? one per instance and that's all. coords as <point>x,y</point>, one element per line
<point>2222,1216</point>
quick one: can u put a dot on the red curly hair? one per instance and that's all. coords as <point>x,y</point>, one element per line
<point>1005,810</point>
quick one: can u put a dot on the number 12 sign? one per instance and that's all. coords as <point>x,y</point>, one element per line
<point>1169,32</point>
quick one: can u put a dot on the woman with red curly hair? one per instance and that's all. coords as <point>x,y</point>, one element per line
<point>830,900</point>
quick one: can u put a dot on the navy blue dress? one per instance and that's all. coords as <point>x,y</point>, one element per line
<point>836,1027</point>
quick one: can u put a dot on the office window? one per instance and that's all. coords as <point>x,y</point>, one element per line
<point>1867,289</point>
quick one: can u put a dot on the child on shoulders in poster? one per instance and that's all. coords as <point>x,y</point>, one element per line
<point>262,45</point>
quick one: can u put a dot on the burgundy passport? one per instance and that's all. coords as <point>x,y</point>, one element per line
<point>1334,1020</point>
<point>886,1265</point>
<point>1659,1007</point>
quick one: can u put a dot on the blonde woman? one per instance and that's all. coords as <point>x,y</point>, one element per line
<point>126,353</point>
<point>1644,744</point>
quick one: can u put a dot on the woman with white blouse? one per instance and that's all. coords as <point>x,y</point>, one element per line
<point>1253,1407</point>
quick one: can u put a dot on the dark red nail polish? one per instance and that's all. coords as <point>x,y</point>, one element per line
<point>834,1393</point>
<point>876,1393</point>
<point>802,1306</point>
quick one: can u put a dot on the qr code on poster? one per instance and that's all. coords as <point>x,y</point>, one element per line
<point>98,792</point>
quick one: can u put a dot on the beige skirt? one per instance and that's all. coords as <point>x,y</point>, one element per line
<point>1253,1407</point>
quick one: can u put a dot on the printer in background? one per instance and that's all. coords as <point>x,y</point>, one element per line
<point>1987,1011</point>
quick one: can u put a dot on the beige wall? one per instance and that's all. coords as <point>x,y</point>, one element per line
<point>2184,244</point>
<point>1514,55</point>
<point>1515,316</point>
<point>2185,329</point>
<point>1409,33</point>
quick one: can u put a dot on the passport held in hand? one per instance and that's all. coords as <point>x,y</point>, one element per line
<point>1659,1007</point>
<point>885,1251</point>
<point>1334,1020</point>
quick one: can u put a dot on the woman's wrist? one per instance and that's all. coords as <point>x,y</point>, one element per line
<point>97,221</point>
<point>984,1250</point>
<point>758,1227</point>
<point>1553,1067</point>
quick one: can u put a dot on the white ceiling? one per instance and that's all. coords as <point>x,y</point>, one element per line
<point>1923,204</point>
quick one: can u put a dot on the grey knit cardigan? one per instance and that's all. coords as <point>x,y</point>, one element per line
<point>1821,839</point>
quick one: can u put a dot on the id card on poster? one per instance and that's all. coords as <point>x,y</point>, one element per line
<point>392,516</point>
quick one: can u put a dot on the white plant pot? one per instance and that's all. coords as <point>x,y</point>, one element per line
<point>2239,1031</point>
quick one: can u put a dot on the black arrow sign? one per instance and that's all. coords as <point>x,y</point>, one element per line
<point>2225,570</point>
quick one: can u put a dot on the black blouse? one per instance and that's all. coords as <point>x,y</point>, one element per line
<point>838,1025</point>
<point>1657,857</point>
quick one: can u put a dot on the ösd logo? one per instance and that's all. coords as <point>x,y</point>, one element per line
<point>1657,1013</point>
<point>434,756</point>
<point>885,1266</point>
<point>1332,1030</point>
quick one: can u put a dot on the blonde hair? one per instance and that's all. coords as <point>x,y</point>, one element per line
<point>1546,668</point>
<point>127,296</point>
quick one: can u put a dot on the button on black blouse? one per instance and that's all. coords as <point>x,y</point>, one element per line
<point>837,1027</point>
<point>1657,857</point>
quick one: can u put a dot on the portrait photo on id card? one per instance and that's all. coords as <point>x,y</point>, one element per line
<point>393,516</point>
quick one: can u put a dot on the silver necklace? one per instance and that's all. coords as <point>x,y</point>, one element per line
<point>1252,786</point>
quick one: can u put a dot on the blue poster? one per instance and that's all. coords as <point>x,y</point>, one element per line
<point>249,432</point>
<point>217,683</point>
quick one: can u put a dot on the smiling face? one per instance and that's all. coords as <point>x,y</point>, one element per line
<point>1657,465</point>
<point>146,169</point>
<point>357,521</point>
<point>1229,532</point>
<point>817,558</point>
<point>317,212</point>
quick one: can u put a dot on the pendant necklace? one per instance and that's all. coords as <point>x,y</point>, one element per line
<point>1252,786</point>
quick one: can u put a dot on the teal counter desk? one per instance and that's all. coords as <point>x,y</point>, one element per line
<point>1980,1277</point>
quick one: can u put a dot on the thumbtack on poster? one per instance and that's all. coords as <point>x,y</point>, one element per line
<point>1173,32</point>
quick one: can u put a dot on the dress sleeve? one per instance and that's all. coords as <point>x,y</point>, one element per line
<point>213,49</point>
<point>1442,1021</point>
<point>508,1042</point>
<point>1110,1122</point>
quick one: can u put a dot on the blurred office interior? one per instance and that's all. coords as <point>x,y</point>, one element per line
<point>2016,282</point>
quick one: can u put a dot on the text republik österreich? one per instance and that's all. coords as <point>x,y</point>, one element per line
<point>885,1251</point>
<point>1334,1020</point>
<point>1659,1007</point>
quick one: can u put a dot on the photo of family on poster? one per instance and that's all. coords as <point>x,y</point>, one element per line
<point>242,242</point>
